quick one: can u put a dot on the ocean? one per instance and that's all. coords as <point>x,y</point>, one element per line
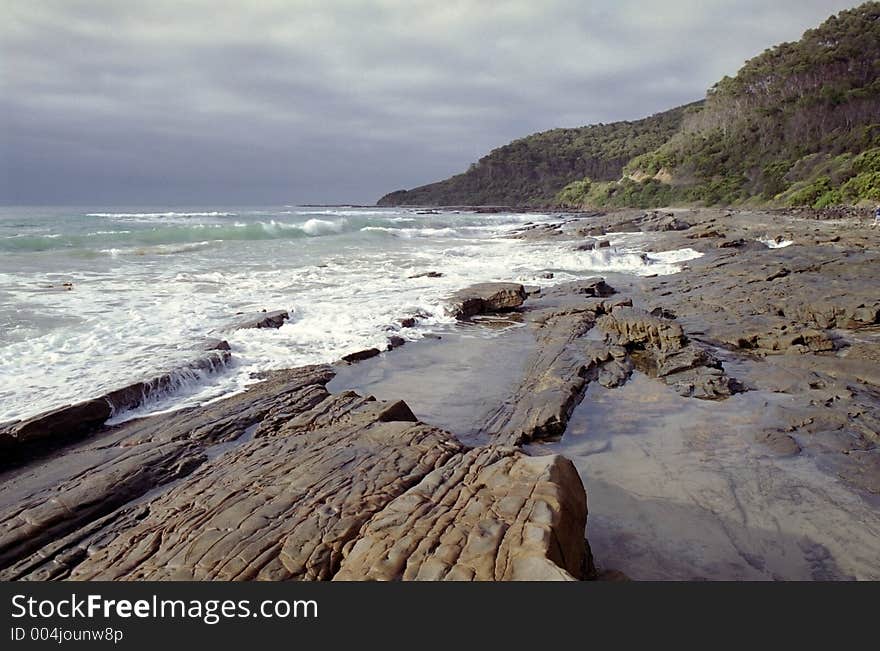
<point>93,299</point>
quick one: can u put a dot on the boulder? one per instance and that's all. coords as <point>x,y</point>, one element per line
<point>263,320</point>
<point>395,342</point>
<point>662,222</point>
<point>486,298</point>
<point>598,288</point>
<point>629,326</point>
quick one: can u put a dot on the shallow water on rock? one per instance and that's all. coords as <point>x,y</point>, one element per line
<point>677,489</point>
<point>453,382</point>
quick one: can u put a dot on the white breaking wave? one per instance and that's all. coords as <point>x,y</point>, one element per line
<point>322,226</point>
<point>413,232</point>
<point>678,255</point>
<point>776,244</point>
<point>131,318</point>
<point>346,212</point>
<point>124,215</point>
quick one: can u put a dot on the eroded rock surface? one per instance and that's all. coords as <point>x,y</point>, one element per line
<point>660,348</point>
<point>485,298</point>
<point>584,333</point>
<point>487,514</point>
<point>282,482</point>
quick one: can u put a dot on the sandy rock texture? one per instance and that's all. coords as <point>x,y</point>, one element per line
<point>288,481</point>
<point>789,297</point>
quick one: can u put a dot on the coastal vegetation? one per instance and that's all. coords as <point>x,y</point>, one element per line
<point>798,125</point>
<point>532,170</point>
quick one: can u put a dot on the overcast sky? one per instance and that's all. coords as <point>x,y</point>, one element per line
<point>150,102</point>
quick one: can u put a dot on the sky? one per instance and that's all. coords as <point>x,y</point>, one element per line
<point>264,102</point>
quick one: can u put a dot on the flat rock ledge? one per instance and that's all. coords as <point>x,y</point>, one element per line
<point>288,481</point>
<point>585,332</point>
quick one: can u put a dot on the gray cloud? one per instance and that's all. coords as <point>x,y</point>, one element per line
<point>282,101</point>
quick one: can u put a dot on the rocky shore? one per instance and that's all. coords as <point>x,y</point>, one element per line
<point>769,342</point>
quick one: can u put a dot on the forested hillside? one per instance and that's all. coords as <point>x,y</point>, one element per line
<point>534,169</point>
<point>798,125</point>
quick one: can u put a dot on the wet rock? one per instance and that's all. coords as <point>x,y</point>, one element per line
<point>656,221</point>
<point>331,485</point>
<point>597,288</point>
<point>784,340</point>
<point>263,320</point>
<point>662,312</point>
<point>684,359</point>
<point>709,233</point>
<point>660,348</point>
<point>486,297</point>
<point>538,232</point>
<point>217,344</point>
<point>428,274</point>
<point>395,342</point>
<point>361,355</point>
<point>281,507</point>
<point>136,394</point>
<point>407,322</point>
<point>556,375</point>
<point>53,503</point>
<point>778,442</point>
<point>705,383</point>
<point>743,244</point>
<point>590,231</point>
<point>59,425</point>
<point>614,372</point>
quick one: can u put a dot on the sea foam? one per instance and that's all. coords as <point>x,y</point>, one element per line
<point>156,291</point>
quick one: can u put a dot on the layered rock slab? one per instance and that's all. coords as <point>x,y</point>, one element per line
<point>281,507</point>
<point>61,496</point>
<point>491,513</point>
<point>561,365</point>
<point>322,472</point>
